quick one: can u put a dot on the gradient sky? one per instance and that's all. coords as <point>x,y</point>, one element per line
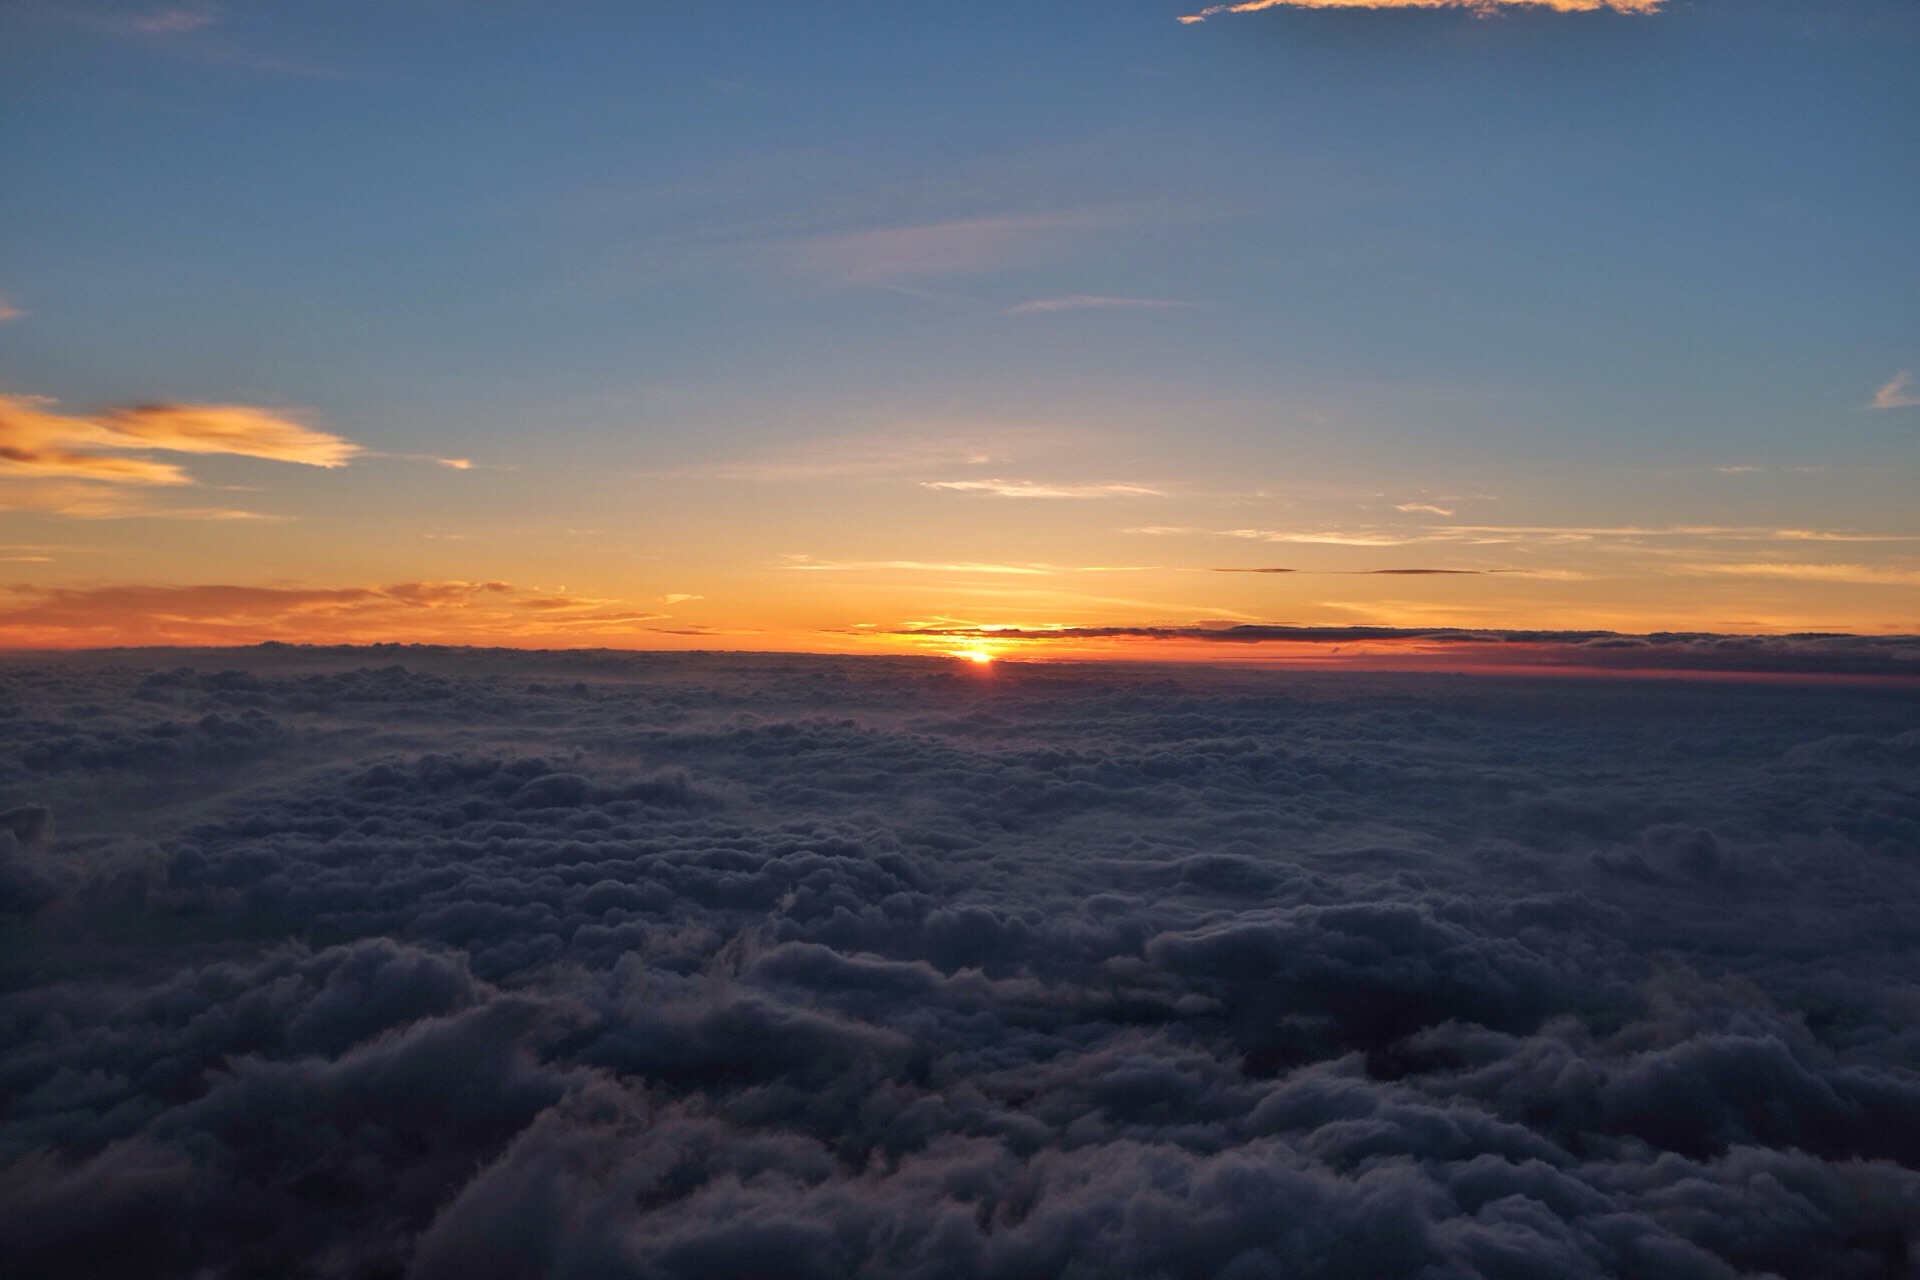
<point>792,326</point>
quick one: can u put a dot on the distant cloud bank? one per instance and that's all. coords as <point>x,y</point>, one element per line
<point>1362,647</point>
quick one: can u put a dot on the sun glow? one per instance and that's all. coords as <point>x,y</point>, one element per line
<point>979,657</point>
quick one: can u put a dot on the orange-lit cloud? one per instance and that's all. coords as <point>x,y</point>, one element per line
<point>1859,574</point>
<point>1477,6</point>
<point>451,612</point>
<point>1351,573</point>
<point>237,429</point>
<point>1492,534</point>
<point>1029,489</point>
<point>90,500</point>
<point>75,465</point>
<point>1898,393</point>
<point>9,312</point>
<point>809,565</point>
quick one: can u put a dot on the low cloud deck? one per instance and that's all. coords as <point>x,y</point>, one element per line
<point>454,963</point>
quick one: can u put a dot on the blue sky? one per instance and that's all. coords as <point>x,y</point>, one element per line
<point>710,291</point>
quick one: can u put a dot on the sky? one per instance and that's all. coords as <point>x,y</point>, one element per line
<point>787,326</point>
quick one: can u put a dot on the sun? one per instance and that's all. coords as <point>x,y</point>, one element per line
<point>979,657</point>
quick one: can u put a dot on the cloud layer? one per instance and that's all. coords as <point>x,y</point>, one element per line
<point>446,963</point>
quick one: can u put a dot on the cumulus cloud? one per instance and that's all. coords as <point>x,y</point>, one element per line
<point>1476,6</point>
<point>1032,489</point>
<point>1898,393</point>
<point>708,966</point>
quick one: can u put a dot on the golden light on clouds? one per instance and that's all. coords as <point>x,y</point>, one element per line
<point>237,429</point>
<point>449,611</point>
<point>1477,6</point>
<point>78,465</point>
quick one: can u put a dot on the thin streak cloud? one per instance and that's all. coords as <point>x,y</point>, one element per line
<point>941,249</point>
<point>1361,573</point>
<point>65,617</point>
<point>237,429</point>
<point>1476,6</point>
<point>76,466</point>
<point>1089,301</point>
<point>1898,393</point>
<point>1029,489</point>
<point>806,565</point>
<point>1857,574</point>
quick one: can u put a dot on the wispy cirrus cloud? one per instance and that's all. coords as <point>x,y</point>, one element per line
<point>1330,537</point>
<point>1475,6</point>
<point>957,247</point>
<point>1855,574</point>
<point>86,465</point>
<point>175,20</point>
<point>88,500</point>
<point>1898,393</point>
<point>806,564</point>
<point>9,312</point>
<point>811,565</point>
<point>1092,301</point>
<point>854,457</point>
<point>1031,489</point>
<point>1493,534</point>
<point>1350,573</point>
<point>237,429</point>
